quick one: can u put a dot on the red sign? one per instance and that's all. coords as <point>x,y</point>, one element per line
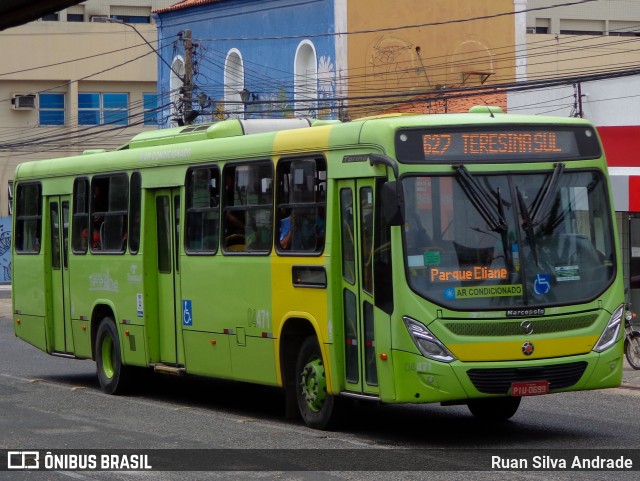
<point>530,388</point>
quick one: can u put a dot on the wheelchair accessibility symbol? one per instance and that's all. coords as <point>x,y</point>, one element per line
<point>542,284</point>
<point>187,320</point>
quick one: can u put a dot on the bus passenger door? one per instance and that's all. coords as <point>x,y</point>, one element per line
<point>58,240</point>
<point>356,225</point>
<point>167,221</point>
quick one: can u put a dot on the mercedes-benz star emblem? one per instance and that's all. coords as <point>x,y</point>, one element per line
<point>527,327</point>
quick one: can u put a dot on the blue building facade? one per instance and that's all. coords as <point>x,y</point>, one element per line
<point>250,59</point>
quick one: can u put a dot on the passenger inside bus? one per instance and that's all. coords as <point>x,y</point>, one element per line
<point>285,229</point>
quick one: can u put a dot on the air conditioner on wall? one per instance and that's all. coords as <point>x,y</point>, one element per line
<point>23,101</point>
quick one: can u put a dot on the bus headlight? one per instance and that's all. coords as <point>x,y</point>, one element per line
<point>426,342</point>
<point>610,334</point>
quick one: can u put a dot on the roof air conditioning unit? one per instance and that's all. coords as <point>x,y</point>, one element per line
<point>531,29</point>
<point>23,101</point>
<point>100,18</point>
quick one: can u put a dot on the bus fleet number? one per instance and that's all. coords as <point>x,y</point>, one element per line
<point>259,318</point>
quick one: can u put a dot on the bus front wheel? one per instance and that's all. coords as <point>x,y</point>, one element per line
<point>111,372</point>
<point>494,409</point>
<point>315,404</point>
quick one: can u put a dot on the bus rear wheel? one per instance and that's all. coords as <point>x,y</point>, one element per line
<point>111,373</point>
<point>315,404</point>
<point>494,409</point>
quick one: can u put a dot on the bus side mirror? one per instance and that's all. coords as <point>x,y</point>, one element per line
<point>392,203</point>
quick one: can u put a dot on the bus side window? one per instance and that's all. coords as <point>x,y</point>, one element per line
<point>135,215</point>
<point>109,213</point>
<point>28,218</point>
<point>247,209</point>
<point>203,199</point>
<point>301,212</point>
<point>80,229</point>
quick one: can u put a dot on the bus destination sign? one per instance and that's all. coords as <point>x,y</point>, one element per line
<point>541,143</point>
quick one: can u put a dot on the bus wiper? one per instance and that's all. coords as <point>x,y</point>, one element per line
<point>527,225</point>
<point>491,210</point>
<point>548,191</point>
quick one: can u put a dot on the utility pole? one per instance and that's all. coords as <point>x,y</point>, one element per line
<point>187,84</point>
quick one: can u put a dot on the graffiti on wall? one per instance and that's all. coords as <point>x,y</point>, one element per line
<point>5,249</point>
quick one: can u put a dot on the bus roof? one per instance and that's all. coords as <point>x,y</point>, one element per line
<point>193,143</point>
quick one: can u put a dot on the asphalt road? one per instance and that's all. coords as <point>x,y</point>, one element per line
<point>49,403</point>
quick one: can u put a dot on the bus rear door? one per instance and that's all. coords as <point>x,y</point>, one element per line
<point>357,216</point>
<point>60,301</point>
<point>167,222</point>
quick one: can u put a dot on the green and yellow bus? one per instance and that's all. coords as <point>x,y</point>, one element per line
<point>460,258</point>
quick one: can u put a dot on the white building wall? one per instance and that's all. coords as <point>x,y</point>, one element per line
<point>606,102</point>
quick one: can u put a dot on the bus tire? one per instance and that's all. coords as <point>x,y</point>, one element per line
<point>494,409</point>
<point>315,404</point>
<point>112,375</point>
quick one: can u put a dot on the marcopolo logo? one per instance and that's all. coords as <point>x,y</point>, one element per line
<point>23,460</point>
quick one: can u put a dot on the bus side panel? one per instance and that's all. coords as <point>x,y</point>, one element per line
<point>32,330</point>
<point>230,303</point>
<point>207,354</point>
<point>132,340</point>
<point>386,374</point>
<point>254,360</point>
<point>28,288</point>
<point>239,296</point>
<point>81,338</point>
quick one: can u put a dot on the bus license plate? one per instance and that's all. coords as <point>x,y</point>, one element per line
<point>531,388</point>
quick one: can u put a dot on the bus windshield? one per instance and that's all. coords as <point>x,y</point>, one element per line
<point>503,241</point>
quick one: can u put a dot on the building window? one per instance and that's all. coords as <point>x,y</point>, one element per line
<point>132,18</point>
<point>305,80</point>
<point>75,17</point>
<point>150,102</point>
<point>581,32</point>
<point>51,109</point>
<point>103,108</point>
<point>175,84</point>
<point>51,17</point>
<point>233,84</point>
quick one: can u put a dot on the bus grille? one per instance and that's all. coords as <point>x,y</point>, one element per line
<point>498,381</point>
<point>514,328</point>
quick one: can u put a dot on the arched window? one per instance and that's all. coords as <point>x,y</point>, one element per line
<point>233,84</point>
<point>175,83</point>
<point>305,80</point>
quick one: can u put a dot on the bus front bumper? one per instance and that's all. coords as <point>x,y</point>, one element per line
<point>422,380</point>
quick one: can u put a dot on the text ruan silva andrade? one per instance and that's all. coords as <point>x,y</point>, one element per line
<point>571,462</point>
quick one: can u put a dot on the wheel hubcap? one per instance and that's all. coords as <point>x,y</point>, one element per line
<point>107,357</point>
<point>313,384</point>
